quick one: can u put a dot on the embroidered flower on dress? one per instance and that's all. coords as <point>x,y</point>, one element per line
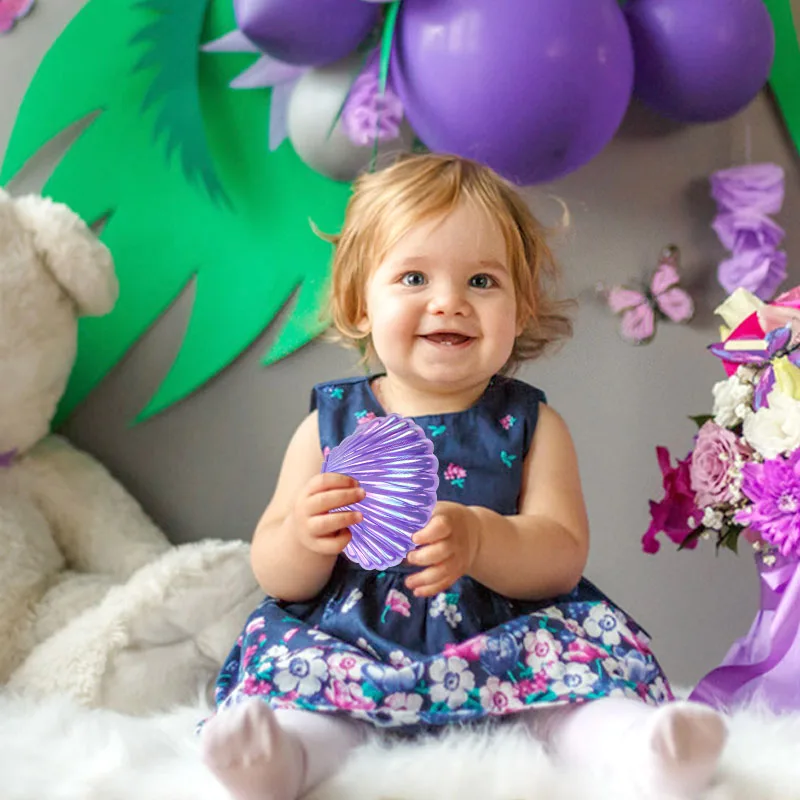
<point>397,602</point>
<point>571,679</point>
<point>603,623</point>
<point>507,458</point>
<point>400,701</point>
<point>542,649</point>
<point>348,695</point>
<point>455,474</point>
<point>336,392</point>
<point>302,672</point>
<point>507,422</point>
<point>436,430</point>
<point>345,665</point>
<point>499,697</point>
<point>364,416</point>
<point>451,680</point>
<point>397,658</point>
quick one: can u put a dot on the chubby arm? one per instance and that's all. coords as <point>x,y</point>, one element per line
<point>297,540</point>
<point>539,552</point>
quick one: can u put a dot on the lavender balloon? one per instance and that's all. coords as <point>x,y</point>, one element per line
<point>700,60</point>
<point>308,32</point>
<point>393,461</point>
<point>533,88</point>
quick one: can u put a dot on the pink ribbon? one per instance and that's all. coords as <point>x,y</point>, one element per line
<point>763,666</point>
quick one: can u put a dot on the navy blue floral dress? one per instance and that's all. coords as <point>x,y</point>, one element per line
<point>366,647</point>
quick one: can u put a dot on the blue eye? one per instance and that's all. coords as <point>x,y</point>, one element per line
<point>482,281</point>
<point>413,279</point>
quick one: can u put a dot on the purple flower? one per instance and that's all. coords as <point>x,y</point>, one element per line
<point>755,188</point>
<point>747,230</point>
<point>758,271</point>
<point>367,114</point>
<point>715,453</point>
<point>774,490</point>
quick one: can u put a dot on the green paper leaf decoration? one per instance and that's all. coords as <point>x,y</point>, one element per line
<point>784,79</point>
<point>178,165</point>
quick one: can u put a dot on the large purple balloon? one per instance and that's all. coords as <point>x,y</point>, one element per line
<point>533,88</point>
<point>308,32</point>
<point>700,60</point>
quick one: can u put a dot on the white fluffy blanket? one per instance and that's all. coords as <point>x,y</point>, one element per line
<point>53,750</point>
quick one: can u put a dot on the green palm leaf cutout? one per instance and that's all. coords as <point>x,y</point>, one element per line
<point>784,79</point>
<point>179,164</point>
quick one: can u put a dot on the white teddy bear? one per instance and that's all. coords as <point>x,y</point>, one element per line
<point>94,601</point>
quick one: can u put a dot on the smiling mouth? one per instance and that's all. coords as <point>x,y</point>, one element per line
<point>448,339</point>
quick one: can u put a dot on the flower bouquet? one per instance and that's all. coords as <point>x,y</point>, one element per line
<point>741,481</point>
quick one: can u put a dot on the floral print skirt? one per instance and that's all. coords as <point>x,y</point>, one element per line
<point>368,648</point>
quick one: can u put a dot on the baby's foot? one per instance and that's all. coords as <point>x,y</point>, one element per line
<point>687,740</point>
<point>251,755</point>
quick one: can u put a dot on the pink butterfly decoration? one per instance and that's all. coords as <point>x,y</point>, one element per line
<point>664,298</point>
<point>11,11</point>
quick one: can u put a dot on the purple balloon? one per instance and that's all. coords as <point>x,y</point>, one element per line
<point>533,88</point>
<point>700,60</point>
<point>308,32</point>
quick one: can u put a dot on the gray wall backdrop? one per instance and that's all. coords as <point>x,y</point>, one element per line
<point>207,467</point>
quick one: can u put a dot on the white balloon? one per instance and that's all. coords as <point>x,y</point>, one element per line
<point>314,104</point>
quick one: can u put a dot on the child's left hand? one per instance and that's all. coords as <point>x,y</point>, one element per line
<point>448,546</point>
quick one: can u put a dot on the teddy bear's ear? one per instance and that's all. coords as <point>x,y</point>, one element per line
<point>80,263</point>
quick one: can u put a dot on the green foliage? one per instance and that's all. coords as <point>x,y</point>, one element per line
<point>178,164</point>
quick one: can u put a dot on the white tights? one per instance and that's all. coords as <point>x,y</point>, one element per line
<point>261,754</point>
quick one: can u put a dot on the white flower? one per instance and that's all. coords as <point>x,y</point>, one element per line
<point>613,667</point>
<point>452,615</point>
<point>499,697</point>
<point>353,598</point>
<point>451,679</point>
<point>712,518</point>
<point>345,665</point>
<point>438,605</point>
<point>658,690</point>
<point>400,701</point>
<point>318,636</point>
<point>397,658</point>
<point>276,651</point>
<point>732,399</point>
<point>603,623</point>
<point>302,672</point>
<point>542,648</point>
<point>775,429</point>
<point>572,678</point>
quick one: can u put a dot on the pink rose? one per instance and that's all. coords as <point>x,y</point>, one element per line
<point>677,514</point>
<point>715,453</point>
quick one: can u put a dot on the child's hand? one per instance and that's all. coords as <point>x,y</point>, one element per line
<point>447,546</point>
<point>317,529</point>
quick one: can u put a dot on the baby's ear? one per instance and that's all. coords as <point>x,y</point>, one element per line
<point>80,263</point>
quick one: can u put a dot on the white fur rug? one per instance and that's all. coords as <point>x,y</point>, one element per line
<point>53,750</point>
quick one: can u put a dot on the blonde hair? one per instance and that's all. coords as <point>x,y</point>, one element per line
<point>387,204</point>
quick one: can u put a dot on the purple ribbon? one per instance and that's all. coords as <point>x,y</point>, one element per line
<point>763,666</point>
<point>7,458</point>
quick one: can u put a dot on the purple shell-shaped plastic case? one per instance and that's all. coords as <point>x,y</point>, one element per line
<point>393,461</point>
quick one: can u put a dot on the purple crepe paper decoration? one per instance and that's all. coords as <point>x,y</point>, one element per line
<point>760,271</point>
<point>777,344</point>
<point>265,72</point>
<point>745,197</point>
<point>369,114</point>
<point>11,11</point>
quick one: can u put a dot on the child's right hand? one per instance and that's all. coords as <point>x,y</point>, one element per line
<point>317,529</point>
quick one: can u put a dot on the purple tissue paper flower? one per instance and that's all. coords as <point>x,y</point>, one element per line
<point>759,271</point>
<point>745,230</point>
<point>367,114</point>
<point>774,490</point>
<point>753,188</point>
